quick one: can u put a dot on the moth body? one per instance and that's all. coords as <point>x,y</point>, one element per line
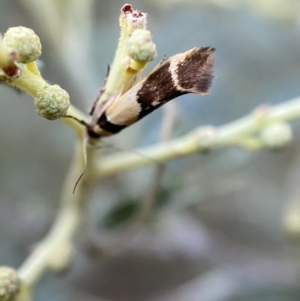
<point>188,72</point>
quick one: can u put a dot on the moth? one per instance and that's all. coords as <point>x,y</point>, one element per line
<point>188,72</point>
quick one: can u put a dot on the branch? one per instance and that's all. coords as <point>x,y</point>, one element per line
<point>59,238</point>
<point>237,133</point>
<point>128,60</point>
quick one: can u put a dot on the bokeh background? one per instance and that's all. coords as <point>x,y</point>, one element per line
<point>219,230</point>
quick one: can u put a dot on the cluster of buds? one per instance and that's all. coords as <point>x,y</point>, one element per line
<point>25,42</point>
<point>277,135</point>
<point>141,47</point>
<point>10,284</point>
<point>19,49</point>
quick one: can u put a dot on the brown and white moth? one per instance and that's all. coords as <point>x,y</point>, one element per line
<point>188,72</point>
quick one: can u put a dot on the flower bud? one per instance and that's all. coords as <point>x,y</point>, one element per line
<point>25,42</point>
<point>7,62</point>
<point>276,135</point>
<point>10,284</point>
<point>62,263</point>
<point>52,102</point>
<point>141,47</point>
<point>131,19</point>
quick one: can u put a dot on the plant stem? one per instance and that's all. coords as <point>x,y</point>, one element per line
<point>67,222</point>
<point>201,139</point>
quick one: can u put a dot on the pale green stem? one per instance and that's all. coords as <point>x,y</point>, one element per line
<point>33,68</point>
<point>67,222</point>
<point>230,134</point>
<point>121,72</point>
<point>28,82</point>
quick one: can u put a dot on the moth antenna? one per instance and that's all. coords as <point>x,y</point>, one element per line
<point>85,143</point>
<point>81,121</point>
<point>101,91</point>
<point>130,150</point>
<point>162,60</point>
<point>107,74</point>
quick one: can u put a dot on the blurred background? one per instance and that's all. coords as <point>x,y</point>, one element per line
<point>225,226</point>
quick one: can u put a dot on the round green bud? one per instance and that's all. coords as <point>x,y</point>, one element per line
<point>141,47</point>
<point>25,42</point>
<point>207,138</point>
<point>52,102</point>
<point>7,55</point>
<point>10,284</point>
<point>62,263</point>
<point>276,135</point>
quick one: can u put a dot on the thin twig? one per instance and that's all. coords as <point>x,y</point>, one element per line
<point>201,139</point>
<point>65,226</point>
